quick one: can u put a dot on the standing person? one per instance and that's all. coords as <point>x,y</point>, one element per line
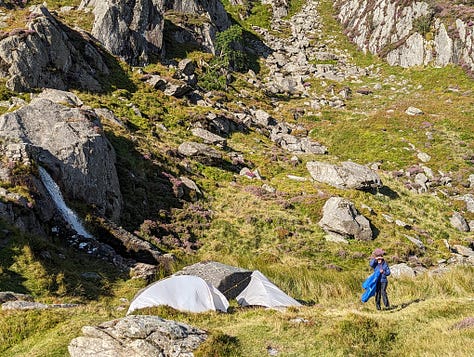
<point>379,263</point>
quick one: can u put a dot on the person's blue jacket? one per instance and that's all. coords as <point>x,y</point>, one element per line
<point>384,266</point>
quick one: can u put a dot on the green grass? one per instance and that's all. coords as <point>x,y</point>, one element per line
<point>238,223</point>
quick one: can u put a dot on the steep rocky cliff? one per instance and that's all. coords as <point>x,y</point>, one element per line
<point>51,55</point>
<point>410,33</point>
<point>69,143</point>
<point>131,30</point>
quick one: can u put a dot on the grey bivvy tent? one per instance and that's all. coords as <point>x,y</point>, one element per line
<point>184,293</point>
<point>262,292</point>
<point>198,294</point>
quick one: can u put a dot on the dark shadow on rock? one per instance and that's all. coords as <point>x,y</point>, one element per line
<point>190,43</point>
<point>387,191</point>
<point>375,231</point>
<point>118,78</point>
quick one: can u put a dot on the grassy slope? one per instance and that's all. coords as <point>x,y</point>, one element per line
<point>278,233</point>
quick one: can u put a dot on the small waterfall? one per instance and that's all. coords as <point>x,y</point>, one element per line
<point>58,199</point>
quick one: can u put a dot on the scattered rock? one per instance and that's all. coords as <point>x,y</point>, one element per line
<point>458,222</point>
<point>144,271</point>
<point>23,305</point>
<point>250,174</point>
<point>413,111</point>
<point>208,137</point>
<point>424,157</point>
<point>194,149</point>
<point>348,175</point>
<point>465,251</point>
<point>60,97</point>
<point>340,217</point>
<point>401,269</point>
<point>297,178</point>
<point>415,241</point>
<point>469,199</point>
<point>91,275</point>
<point>177,88</point>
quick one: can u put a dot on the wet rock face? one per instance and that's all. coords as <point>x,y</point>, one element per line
<point>69,143</point>
<point>50,55</point>
<point>397,30</point>
<point>130,29</point>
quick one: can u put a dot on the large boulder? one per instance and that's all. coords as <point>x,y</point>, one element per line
<point>137,336</point>
<point>402,269</point>
<point>70,144</point>
<point>341,218</point>
<point>348,175</point>
<point>130,29</point>
<point>229,280</point>
<point>50,55</point>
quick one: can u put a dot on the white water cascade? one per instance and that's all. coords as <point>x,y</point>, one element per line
<point>58,199</point>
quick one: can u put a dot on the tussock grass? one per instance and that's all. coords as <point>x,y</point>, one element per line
<point>276,233</point>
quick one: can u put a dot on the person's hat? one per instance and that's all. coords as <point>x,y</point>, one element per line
<point>378,253</point>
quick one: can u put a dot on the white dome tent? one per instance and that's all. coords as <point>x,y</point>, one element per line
<point>262,292</point>
<point>184,293</point>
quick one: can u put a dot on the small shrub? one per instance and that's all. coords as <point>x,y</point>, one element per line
<point>422,24</point>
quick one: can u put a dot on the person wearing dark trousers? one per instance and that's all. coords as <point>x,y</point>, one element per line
<point>379,263</point>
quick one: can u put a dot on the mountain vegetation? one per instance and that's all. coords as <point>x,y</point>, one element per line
<point>252,202</point>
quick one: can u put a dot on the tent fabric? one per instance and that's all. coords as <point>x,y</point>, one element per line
<point>229,280</point>
<point>184,293</point>
<point>370,285</point>
<point>261,292</point>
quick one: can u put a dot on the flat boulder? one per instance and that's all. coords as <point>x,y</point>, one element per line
<point>401,269</point>
<point>137,336</point>
<point>12,296</point>
<point>348,175</point>
<point>341,218</point>
<point>198,150</point>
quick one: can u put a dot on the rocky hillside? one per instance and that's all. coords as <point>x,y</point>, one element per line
<point>412,33</point>
<point>292,137</point>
